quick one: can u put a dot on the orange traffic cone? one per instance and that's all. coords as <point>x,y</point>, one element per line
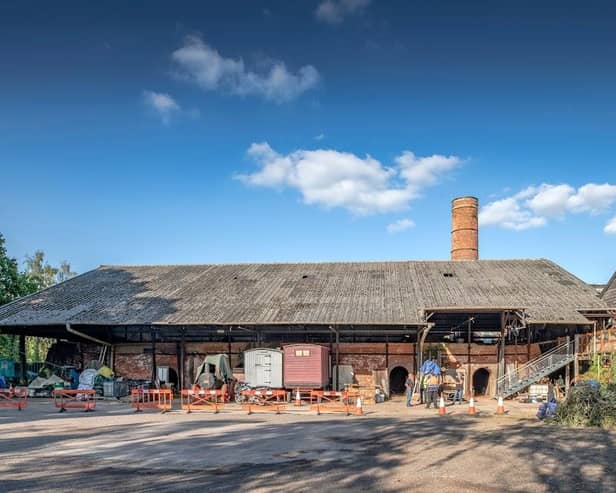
<point>500,407</point>
<point>298,398</point>
<point>441,406</point>
<point>471,406</point>
<point>358,409</point>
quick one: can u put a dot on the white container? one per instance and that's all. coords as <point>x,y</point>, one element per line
<point>263,367</point>
<point>108,389</point>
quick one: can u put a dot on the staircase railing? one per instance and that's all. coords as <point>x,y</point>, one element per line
<point>533,370</point>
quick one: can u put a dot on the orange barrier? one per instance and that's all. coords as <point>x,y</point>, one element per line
<point>14,397</point>
<point>442,410</point>
<point>299,395</point>
<point>333,401</point>
<point>471,406</point>
<point>141,399</point>
<point>264,400</point>
<point>500,406</point>
<point>202,400</point>
<point>77,399</point>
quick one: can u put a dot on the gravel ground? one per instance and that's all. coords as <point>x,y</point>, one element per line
<point>390,448</point>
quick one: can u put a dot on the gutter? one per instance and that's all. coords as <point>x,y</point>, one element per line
<point>86,336</point>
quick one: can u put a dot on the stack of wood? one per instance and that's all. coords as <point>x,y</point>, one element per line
<point>365,387</point>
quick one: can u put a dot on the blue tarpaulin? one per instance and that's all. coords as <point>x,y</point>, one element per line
<point>430,368</point>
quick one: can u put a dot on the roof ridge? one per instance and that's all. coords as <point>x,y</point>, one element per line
<point>321,262</point>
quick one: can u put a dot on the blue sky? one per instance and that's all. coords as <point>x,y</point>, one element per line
<point>145,132</point>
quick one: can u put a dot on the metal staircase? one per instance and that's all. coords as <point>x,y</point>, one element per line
<point>535,369</point>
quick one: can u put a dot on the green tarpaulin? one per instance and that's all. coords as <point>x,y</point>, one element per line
<point>222,367</point>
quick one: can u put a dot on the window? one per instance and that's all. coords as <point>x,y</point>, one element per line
<point>302,352</point>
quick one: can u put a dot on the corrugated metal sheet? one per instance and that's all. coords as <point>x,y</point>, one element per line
<point>263,367</point>
<point>353,293</point>
<point>306,365</point>
<point>609,295</point>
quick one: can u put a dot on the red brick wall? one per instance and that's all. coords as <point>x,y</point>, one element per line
<point>132,362</point>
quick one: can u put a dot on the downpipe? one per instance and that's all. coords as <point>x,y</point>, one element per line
<point>70,330</point>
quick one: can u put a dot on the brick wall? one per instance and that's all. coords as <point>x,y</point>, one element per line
<point>132,362</point>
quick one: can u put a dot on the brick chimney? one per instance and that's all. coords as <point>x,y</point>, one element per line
<point>464,228</point>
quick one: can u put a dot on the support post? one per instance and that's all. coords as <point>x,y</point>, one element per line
<point>469,380</point>
<point>182,358</point>
<point>576,361</point>
<point>154,369</point>
<point>387,353</point>
<point>22,359</point>
<point>337,360</point>
<point>501,353</point>
<point>229,345</point>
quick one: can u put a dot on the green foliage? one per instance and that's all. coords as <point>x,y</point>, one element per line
<point>43,274</point>
<point>64,272</point>
<point>13,283</point>
<point>588,406</point>
<point>603,369</point>
<point>38,275</point>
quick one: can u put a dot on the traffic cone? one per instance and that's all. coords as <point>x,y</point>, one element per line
<point>500,407</point>
<point>358,409</point>
<point>441,407</point>
<point>298,398</point>
<point>471,406</point>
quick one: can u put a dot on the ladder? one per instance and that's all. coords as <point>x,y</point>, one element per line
<point>535,369</point>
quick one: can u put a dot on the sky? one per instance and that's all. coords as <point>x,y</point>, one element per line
<point>326,130</point>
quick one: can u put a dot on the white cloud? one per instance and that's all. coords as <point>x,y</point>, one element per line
<point>551,200</point>
<point>340,179</point>
<point>508,214</point>
<point>420,172</point>
<point>167,108</point>
<point>594,198</point>
<point>319,137</point>
<point>334,11</point>
<point>162,104</point>
<point>610,227</point>
<point>400,225</point>
<point>200,63</point>
<point>534,206</point>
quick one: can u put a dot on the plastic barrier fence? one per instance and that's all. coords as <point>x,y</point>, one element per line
<point>331,401</point>
<point>14,397</point>
<point>202,400</point>
<point>302,393</point>
<point>264,400</point>
<point>77,399</point>
<point>141,399</point>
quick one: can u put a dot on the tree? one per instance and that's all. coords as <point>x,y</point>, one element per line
<point>13,284</point>
<point>43,275</point>
<point>64,272</point>
<point>40,271</point>
<point>38,275</point>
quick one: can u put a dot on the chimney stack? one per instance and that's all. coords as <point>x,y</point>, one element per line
<point>464,228</point>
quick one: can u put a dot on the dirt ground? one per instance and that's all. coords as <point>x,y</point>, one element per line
<point>390,448</point>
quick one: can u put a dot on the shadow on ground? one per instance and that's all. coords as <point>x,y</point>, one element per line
<point>453,453</point>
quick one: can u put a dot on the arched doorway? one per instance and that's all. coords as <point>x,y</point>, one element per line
<point>173,377</point>
<point>397,377</point>
<point>481,378</point>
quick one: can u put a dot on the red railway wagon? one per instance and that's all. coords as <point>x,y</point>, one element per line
<point>305,366</point>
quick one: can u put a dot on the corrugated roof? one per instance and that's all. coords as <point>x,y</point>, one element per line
<point>305,293</point>
<point>609,293</point>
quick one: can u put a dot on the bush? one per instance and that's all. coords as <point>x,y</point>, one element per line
<point>588,406</point>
